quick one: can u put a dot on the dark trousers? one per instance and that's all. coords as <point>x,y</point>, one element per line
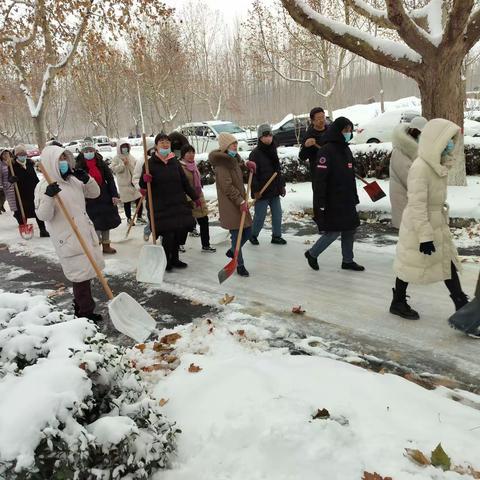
<point>18,217</point>
<point>128,209</point>
<point>82,294</point>
<point>204,231</point>
<point>171,242</point>
<point>453,285</point>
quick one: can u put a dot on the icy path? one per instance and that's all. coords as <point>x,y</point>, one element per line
<point>280,278</point>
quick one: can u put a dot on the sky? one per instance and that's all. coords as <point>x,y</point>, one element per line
<point>229,8</point>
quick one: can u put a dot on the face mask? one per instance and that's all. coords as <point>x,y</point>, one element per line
<point>232,153</point>
<point>63,166</point>
<point>89,155</point>
<point>164,151</point>
<point>124,151</point>
<point>348,136</point>
<point>22,158</point>
<point>449,148</point>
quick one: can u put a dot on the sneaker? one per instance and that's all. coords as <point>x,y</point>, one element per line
<point>209,249</point>
<point>312,261</point>
<point>278,241</point>
<point>242,271</point>
<point>254,240</point>
<point>353,266</point>
<point>179,264</point>
<point>194,233</point>
<point>181,248</point>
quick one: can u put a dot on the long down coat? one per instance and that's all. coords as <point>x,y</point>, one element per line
<point>73,260</point>
<point>124,174</point>
<point>425,217</point>
<point>405,149</point>
<point>8,188</point>
<point>27,181</point>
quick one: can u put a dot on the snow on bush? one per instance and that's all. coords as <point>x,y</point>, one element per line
<point>71,404</point>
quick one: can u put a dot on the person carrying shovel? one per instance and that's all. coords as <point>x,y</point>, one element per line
<point>232,201</point>
<point>75,186</point>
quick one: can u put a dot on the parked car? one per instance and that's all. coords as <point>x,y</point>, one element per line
<point>289,131</point>
<point>380,129</point>
<point>102,144</point>
<point>74,146</point>
<point>471,128</point>
<point>203,135</point>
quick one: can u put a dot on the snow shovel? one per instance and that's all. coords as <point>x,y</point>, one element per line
<point>373,189</point>
<point>25,229</point>
<point>262,191</point>
<point>127,315</point>
<point>227,270</point>
<point>140,203</point>
<point>152,261</point>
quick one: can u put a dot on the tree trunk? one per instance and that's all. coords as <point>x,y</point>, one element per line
<point>39,127</point>
<point>443,96</point>
<point>382,91</point>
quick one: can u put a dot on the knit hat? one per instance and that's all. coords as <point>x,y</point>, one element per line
<point>87,143</point>
<point>225,140</point>
<point>263,129</point>
<point>418,123</point>
<point>19,148</point>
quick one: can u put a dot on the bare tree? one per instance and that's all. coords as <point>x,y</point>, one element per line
<point>433,42</point>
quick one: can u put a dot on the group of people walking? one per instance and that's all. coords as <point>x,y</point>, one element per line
<point>423,153</point>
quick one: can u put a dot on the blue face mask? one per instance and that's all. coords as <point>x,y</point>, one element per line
<point>124,151</point>
<point>63,166</point>
<point>164,151</point>
<point>348,136</point>
<point>232,153</point>
<point>22,158</point>
<point>449,148</point>
<point>89,155</point>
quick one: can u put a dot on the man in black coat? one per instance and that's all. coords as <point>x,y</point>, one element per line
<point>335,195</point>
<point>170,187</point>
<point>313,138</point>
<point>265,156</point>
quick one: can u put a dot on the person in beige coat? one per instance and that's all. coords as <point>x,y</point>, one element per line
<point>404,152</point>
<point>73,187</point>
<point>200,213</point>
<point>425,250</point>
<point>123,166</point>
<point>232,201</point>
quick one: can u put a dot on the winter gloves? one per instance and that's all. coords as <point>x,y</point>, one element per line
<point>252,166</point>
<point>147,178</point>
<point>81,175</point>
<point>427,248</point>
<point>244,207</point>
<point>53,189</point>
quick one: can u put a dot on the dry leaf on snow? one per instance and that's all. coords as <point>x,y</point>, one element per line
<point>163,402</point>
<point>194,368</point>
<point>374,476</point>
<point>241,333</point>
<point>440,458</point>
<point>140,346</point>
<point>298,310</point>
<point>170,338</point>
<point>323,413</point>
<point>227,299</point>
<point>154,367</point>
<point>417,456</point>
<point>466,471</point>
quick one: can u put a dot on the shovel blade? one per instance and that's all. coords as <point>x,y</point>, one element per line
<point>26,231</point>
<point>151,264</point>
<point>227,271</point>
<point>130,318</point>
<point>374,191</point>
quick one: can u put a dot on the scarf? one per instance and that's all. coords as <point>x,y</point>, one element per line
<point>94,171</point>
<point>197,179</point>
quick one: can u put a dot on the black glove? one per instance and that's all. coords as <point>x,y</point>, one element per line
<point>82,175</point>
<point>53,189</point>
<point>12,179</point>
<point>427,248</point>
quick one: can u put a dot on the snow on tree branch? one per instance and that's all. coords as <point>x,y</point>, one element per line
<point>376,15</point>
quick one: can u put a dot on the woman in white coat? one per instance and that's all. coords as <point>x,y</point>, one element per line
<point>123,166</point>
<point>73,186</point>
<point>405,148</point>
<point>425,250</point>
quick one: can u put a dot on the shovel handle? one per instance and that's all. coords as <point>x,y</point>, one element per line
<point>149,190</point>
<point>134,217</point>
<point>79,236</point>
<point>244,215</point>
<point>362,179</point>
<point>262,191</point>
<point>17,191</point>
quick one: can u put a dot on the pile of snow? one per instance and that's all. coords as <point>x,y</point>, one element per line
<point>71,401</point>
<point>246,412</point>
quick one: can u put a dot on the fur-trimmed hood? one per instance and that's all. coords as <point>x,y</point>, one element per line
<point>219,158</point>
<point>404,142</point>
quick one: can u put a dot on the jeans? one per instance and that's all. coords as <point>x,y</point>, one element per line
<point>261,207</point>
<point>328,238</point>
<point>204,231</point>
<point>247,232</point>
<point>147,231</point>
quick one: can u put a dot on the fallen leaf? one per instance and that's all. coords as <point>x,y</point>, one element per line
<point>298,310</point>
<point>169,358</point>
<point>374,476</point>
<point>227,299</point>
<point>468,470</point>
<point>440,459</point>
<point>194,368</point>
<point>210,330</point>
<point>241,333</point>
<point>83,366</point>
<point>163,402</point>
<point>154,367</point>
<point>323,413</point>
<point>417,456</point>
<point>162,348</point>
<point>140,346</point>
<point>171,338</point>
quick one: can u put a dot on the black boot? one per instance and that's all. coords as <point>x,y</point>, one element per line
<point>459,300</point>
<point>176,262</point>
<point>353,266</point>
<point>312,261</point>
<point>400,307</point>
<point>278,241</point>
<point>242,271</point>
<point>254,240</point>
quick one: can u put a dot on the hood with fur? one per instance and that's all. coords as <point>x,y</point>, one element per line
<point>404,142</point>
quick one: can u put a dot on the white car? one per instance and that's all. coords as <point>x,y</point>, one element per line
<point>203,135</point>
<point>380,129</point>
<point>74,146</point>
